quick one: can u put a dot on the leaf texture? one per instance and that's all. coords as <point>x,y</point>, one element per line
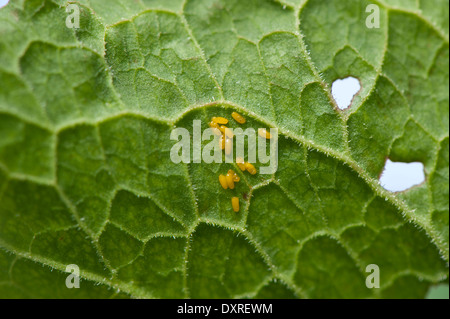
<point>86,177</point>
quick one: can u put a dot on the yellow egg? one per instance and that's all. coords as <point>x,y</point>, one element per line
<point>250,168</point>
<point>220,120</point>
<point>213,124</point>
<point>229,133</point>
<point>236,178</point>
<point>235,203</point>
<point>238,117</point>
<point>230,181</point>
<point>222,142</point>
<point>228,146</point>
<point>223,181</point>
<point>264,133</point>
<point>240,163</point>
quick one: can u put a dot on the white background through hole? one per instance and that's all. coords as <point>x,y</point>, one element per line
<point>3,3</point>
<point>398,176</point>
<point>343,91</point>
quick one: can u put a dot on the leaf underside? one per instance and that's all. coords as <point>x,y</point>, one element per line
<point>86,177</point>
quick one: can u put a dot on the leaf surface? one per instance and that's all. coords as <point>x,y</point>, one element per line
<point>85,170</point>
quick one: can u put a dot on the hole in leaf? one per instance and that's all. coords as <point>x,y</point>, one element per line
<point>438,292</point>
<point>3,3</point>
<point>343,91</point>
<point>399,176</point>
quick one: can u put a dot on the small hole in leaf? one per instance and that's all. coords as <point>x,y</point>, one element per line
<point>399,176</point>
<point>3,3</point>
<point>343,91</point>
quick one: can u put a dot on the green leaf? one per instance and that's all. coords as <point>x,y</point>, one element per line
<point>85,170</point>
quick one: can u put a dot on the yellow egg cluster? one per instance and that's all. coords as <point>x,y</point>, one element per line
<point>226,143</point>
